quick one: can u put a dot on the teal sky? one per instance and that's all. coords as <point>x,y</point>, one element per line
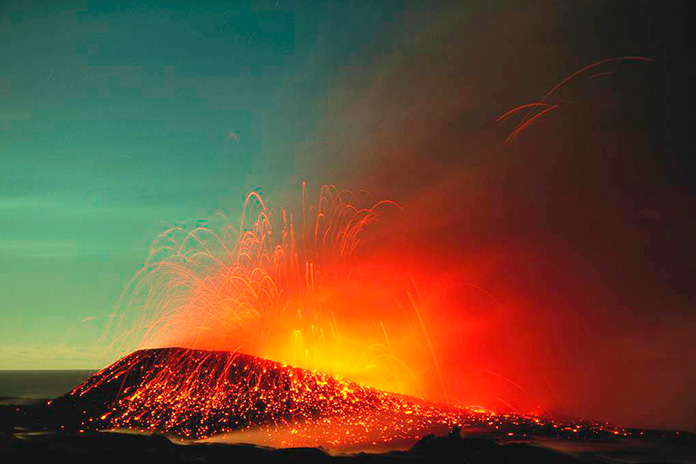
<point>115,125</point>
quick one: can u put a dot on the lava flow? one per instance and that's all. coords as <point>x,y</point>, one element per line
<point>196,394</point>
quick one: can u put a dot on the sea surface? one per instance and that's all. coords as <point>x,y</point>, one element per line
<point>39,384</point>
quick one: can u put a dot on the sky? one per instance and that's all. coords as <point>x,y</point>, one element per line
<point>119,120</point>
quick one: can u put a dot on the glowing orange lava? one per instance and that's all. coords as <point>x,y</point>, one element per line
<point>197,394</point>
<point>308,315</point>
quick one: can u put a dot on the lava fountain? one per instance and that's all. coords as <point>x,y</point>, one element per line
<point>272,289</point>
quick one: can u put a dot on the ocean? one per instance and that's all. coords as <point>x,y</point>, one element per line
<point>39,384</point>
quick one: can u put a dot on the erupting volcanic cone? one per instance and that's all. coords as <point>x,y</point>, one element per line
<point>198,394</point>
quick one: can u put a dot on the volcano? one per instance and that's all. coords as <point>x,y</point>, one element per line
<point>197,394</point>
